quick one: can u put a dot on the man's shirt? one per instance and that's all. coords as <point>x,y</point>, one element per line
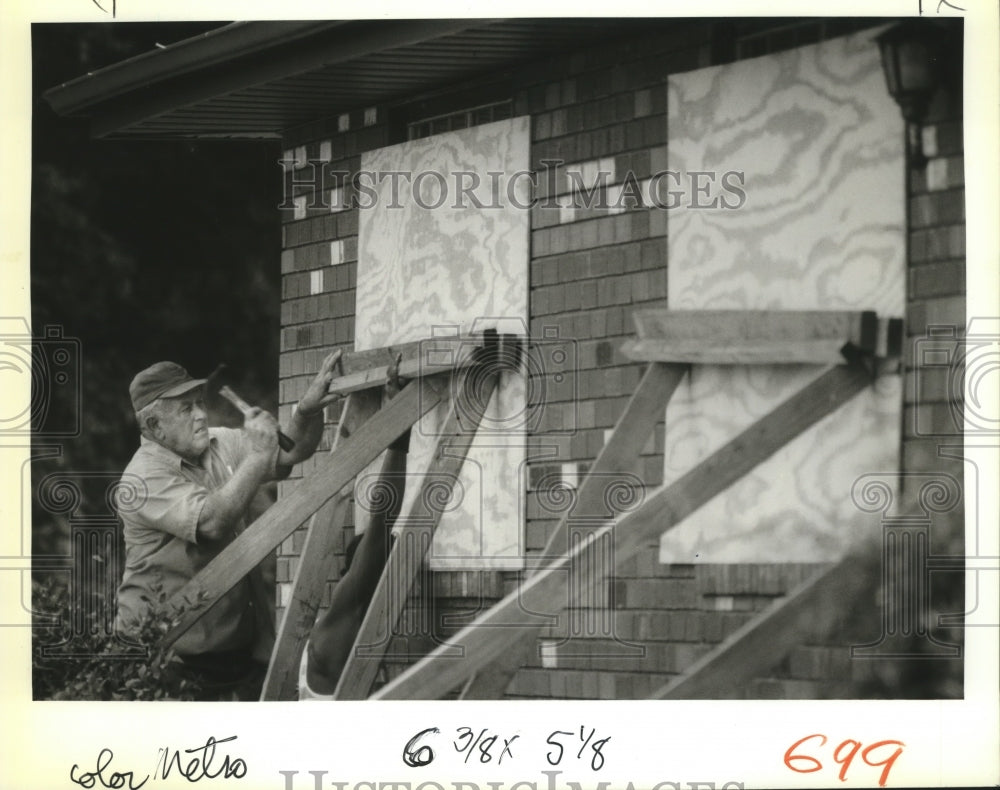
<point>163,550</point>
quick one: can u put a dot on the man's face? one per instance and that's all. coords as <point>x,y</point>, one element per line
<point>183,425</point>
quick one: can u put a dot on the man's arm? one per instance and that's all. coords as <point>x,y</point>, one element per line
<point>305,427</point>
<point>224,506</point>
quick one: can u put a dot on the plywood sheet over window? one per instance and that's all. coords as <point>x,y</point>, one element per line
<point>432,260</point>
<point>819,143</point>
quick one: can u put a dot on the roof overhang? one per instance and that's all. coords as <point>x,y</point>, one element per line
<point>258,79</point>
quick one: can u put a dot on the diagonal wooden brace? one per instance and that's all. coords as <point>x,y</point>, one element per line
<point>725,671</point>
<point>281,682</point>
<point>492,633</point>
<point>644,409</point>
<point>473,392</point>
<point>282,679</point>
<point>281,519</point>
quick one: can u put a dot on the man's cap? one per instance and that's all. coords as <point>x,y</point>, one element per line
<point>162,380</point>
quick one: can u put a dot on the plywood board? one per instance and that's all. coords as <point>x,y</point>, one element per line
<point>819,143</point>
<point>427,267</point>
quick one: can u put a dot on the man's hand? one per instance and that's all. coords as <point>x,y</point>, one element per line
<point>226,505</point>
<point>262,430</point>
<point>306,424</point>
<point>318,396</point>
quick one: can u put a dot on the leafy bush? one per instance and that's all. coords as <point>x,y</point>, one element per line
<point>98,665</point>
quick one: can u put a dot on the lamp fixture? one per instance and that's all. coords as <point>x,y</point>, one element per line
<point>912,63</point>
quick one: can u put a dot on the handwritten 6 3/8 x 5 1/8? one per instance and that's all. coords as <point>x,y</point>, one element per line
<point>418,750</point>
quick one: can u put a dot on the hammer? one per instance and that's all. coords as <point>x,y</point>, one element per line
<point>285,442</point>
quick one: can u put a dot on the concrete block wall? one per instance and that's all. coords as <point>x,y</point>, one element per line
<point>603,109</point>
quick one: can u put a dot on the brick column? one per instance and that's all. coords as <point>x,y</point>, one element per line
<point>935,314</point>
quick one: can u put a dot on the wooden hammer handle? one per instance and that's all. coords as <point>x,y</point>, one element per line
<point>285,442</point>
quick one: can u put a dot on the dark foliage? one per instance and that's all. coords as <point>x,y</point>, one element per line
<point>96,664</point>
<point>141,250</point>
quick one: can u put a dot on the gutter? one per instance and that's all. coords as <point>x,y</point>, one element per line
<point>230,59</point>
<point>192,54</point>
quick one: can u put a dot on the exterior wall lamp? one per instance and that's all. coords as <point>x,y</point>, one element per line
<point>912,56</point>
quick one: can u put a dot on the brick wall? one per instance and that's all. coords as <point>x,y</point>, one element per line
<point>649,622</point>
<point>935,319</point>
<point>590,268</point>
<point>318,281</point>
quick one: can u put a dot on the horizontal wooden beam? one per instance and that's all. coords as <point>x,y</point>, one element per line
<point>644,409</point>
<point>365,369</point>
<point>281,519</point>
<point>759,337</point>
<point>494,631</point>
<point>762,642</point>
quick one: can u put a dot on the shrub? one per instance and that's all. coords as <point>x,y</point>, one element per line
<point>99,664</point>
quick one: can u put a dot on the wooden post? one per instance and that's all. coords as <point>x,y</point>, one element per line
<point>492,633</point>
<point>644,409</point>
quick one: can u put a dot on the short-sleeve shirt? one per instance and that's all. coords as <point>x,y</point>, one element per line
<point>163,550</point>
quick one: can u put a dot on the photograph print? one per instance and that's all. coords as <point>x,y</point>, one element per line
<point>521,359</point>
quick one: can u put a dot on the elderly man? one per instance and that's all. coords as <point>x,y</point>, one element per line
<point>195,486</point>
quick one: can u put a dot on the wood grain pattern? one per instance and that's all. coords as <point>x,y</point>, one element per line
<point>422,266</point>
<point>492,632</point>
<point>284,517</point>
<point>427,269</point>
<point>819,143</point>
